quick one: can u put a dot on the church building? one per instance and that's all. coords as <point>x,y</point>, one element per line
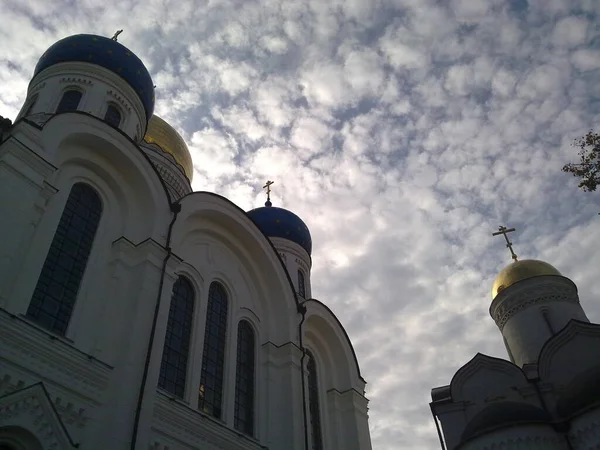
<point>136,314</point>
<point>547,397</point>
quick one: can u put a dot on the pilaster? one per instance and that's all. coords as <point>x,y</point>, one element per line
<point>23,200</point>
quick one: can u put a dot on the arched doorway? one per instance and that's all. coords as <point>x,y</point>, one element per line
<point>17,438</point>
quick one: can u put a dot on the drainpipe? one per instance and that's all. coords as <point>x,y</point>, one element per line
<point>437,426</point>
<point>175,209</point>
<point>302,310</point>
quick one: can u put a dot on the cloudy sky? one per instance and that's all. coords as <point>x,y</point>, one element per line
<point>403,132</point>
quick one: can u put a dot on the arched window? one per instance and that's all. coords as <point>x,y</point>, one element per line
<point>113,116</point>
<point>313,404</point>
<point>30,106</point>
<point>69,101</point>
<point>54,295</point>
<point>213,358</point>
<point>173,368</point>
<point>301,287</point>
<point>244,379</point>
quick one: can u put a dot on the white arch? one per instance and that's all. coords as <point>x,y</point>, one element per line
<point>207,218</point>
<point>329,342</point>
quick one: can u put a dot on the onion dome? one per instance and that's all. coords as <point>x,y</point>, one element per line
<point>521,270</point>
<point>106,53</point>
<point>281,223</point>
<point>164,135</point>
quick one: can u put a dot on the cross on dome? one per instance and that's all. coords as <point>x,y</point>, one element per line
<point>268,187</point>
<point>504,231</point>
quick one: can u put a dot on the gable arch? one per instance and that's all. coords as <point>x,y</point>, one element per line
<point>575,345</point>
<point>206,218</point>
<point>78,141</point>
<point>330,343</point>
<point>466,383</point>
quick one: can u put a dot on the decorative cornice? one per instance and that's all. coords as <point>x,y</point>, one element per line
<point>511,301</point>
<point>39,351</point>
<point>38,87</point>
<point>175,419</point>
<point>586,435</point>
<point>118,99</point>
<point>85,71</point>
<point>77,80</point>
<point>515,443</point>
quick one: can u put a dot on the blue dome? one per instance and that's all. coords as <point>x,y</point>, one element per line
<point>108,54</point>
<point>281,223</point>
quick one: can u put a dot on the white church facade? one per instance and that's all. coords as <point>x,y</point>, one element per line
<point>136,314</point>
<point>547,397</point>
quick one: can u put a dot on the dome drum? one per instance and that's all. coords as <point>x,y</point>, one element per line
<point>99,89</point>
<point>107,53</point>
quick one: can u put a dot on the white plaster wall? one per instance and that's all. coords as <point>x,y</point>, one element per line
<point>100,87</point>
<point>527,330</point>
<point>295,258</point>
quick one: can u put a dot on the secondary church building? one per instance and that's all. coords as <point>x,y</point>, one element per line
<point>136,314</point>
<point>547,395</point>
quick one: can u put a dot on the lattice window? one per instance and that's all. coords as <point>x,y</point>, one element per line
<point>244,379</point>
<point>56,290</point>
<point>69,101</point>
<point>173,368</point>
<point>113,116</point>
<point>313,404</point>
<point>301,286</point>
<point>213,359</point>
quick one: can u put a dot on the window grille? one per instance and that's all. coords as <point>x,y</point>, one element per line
<point>173,368</point>
<point>213,359</point>
<point>56,290</point>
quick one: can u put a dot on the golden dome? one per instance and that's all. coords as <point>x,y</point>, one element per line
<point>164,135</point>
<point>521,270</point>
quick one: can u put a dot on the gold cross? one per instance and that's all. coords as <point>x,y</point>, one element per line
<point>503,230</point>
<point>114,38</point>
<point>268,186</point>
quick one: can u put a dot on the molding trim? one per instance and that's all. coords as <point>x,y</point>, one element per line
<point>194,428</point>
<point>31,408</point>
<point>42,352</point>
<point>509,301</point>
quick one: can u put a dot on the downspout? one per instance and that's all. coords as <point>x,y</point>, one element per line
<point>437,426</point>
<point>302,310</point>
<point>175,209</point>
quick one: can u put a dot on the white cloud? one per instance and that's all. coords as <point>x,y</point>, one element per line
<point>423,124</point>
